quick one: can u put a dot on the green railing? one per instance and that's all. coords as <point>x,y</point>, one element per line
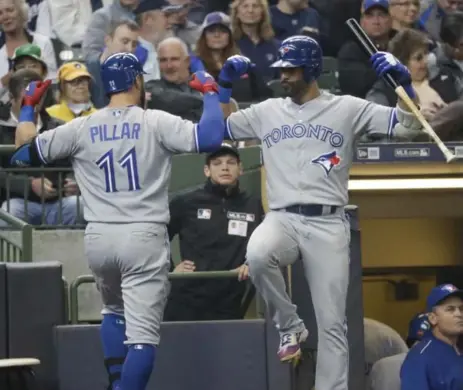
<point>88,279</point>
<point>11,251</point>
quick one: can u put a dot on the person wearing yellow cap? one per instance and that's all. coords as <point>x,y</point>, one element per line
<point>74,85</point>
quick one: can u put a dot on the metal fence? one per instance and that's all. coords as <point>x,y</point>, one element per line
<point>89,279</point>
<point>12,250</point>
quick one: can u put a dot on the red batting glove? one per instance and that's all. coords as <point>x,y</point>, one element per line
<point>203,82</point>
<point>34,92</point>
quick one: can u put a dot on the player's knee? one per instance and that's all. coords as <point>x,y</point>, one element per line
<point>259,256</point>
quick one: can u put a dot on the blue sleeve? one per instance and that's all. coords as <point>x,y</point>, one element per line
<point>196,64</point>
<point>211,127</point>
<point>413,374</point>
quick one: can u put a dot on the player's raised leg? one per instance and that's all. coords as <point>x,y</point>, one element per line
<point>145,263</point>
<point>101,254</point>
<point>325,253</point>
<point>272,246</point>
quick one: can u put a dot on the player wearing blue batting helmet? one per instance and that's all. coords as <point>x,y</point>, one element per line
<point>122,72</point>
<point>299,52</point>
<point>418,328</point>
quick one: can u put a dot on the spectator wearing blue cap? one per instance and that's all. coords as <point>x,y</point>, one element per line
<point>214,46</point>
<point>356,76</point>
<point>436,362</point>
<point>385,373</point>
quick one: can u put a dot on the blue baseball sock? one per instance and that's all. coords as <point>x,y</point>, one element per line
<point>112,337</point>
<point>138,366</point>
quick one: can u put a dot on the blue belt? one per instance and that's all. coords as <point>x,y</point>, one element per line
<point>311,210</point>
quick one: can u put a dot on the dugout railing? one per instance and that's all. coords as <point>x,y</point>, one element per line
<point>89,279</point>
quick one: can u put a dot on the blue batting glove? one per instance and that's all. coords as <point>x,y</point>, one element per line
<point>385,63</point>
<point>235,67</point>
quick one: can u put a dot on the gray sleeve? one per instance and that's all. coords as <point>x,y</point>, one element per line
<point>93,42</point>
<point>372,118</point>
<point>58,143</point>
<point>245,124</point>
<point>174,133</point>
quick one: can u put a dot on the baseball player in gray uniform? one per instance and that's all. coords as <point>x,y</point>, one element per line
<point>121,156</point>
<point>307,148</point>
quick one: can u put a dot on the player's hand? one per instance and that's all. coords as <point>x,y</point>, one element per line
<point>385,63</point>
<point>43,189</point>
<point>34,92</point>
<point>203,82</point>
<point>234,68</point>
<point>243,272</point>
<point>70,188</point>
<point>185,266</point>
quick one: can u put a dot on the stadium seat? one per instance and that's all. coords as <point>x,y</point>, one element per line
<point>19,372</point>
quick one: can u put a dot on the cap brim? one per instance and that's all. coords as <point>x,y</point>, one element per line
<point>76,75</point>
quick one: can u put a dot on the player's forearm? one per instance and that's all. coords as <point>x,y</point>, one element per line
<point>24,133</point>
<point>211,126</point>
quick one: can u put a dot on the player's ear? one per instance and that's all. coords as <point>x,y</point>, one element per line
<point>432,318</point>
<point>207,171</point>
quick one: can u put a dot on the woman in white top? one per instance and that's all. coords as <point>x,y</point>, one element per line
<point>13,21</point>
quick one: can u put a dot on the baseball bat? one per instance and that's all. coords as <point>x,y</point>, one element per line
<point>369,47</point>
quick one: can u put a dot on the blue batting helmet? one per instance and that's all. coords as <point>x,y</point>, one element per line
<point>119,72</point>
<point>301,51</point>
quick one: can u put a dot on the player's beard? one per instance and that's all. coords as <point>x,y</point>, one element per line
<point>295,89</point>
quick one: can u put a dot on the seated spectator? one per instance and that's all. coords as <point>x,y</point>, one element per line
<point>405,14</point>
<point>435,87</point>
<point>252,31</point>
<point>450,53</point>
<point>181,26</point>
<point>29,56</point>
<point>289,17</point>
<point>356,75</point>
<point>43,203</point>
<point>214,46</point>
<point>101,23</point>
<point>436,362</point>
<point>13,18</point>
<point>380,341</point>
<point>432,14</point>
<point>172,93</point>
<point>69,19</point>
<point>214,224</point>
<point>123,37</point>
<point>385,373</point>
<point>74,86</point>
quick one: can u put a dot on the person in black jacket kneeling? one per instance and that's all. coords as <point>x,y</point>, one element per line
<point>214,224</point>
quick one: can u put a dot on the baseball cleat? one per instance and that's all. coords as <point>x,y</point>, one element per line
<point>290,350</point>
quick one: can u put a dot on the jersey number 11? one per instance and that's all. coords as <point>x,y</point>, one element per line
<point>128,162</point>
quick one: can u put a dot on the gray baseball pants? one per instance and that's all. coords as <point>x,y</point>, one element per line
<point>131,263</point>
<point>323,245</point>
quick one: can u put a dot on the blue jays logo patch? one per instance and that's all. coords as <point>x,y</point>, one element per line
<point>327,161</point>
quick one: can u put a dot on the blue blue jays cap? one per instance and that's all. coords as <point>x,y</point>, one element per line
<point>370,4</point>
<point>440,293</point>
<point>419,327</point>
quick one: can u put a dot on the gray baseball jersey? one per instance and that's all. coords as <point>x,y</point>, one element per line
<point>385,374</point>
<point>308,150</point>
<point>122,160</point>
